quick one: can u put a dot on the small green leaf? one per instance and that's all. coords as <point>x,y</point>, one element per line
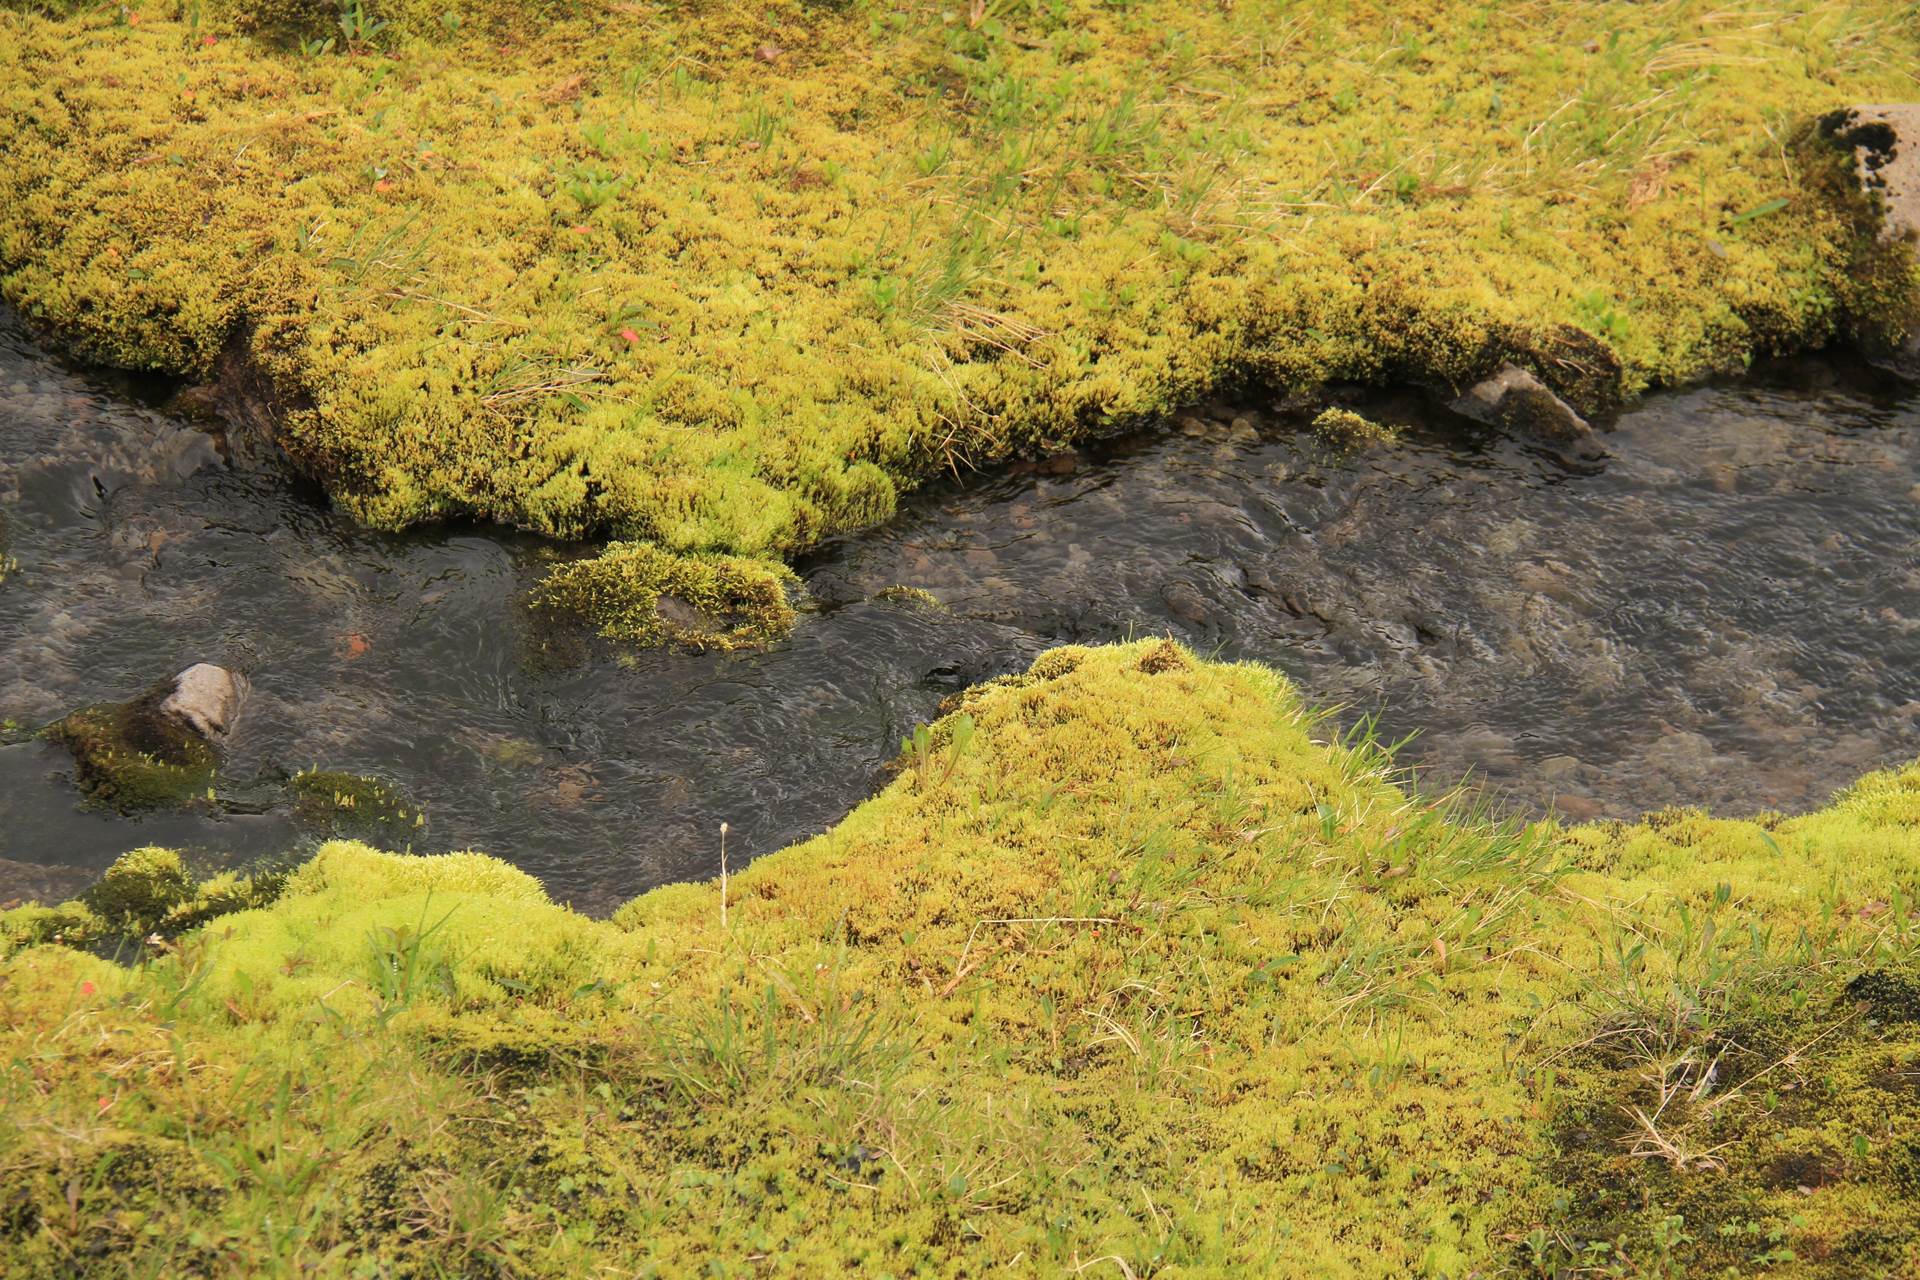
<point>1760,210</point>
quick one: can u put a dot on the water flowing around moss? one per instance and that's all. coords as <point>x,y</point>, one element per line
<point>1142,969</point>
<point>725,279</point>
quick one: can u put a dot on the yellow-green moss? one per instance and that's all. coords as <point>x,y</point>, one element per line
<point>69,923</point>
<point>1345,429</point>
<point>635,592</point>
<point>726,278</point>
<point>1142,970</point>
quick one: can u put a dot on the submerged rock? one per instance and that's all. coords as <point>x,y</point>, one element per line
<point>1515,400</point>
<point>155,751</point>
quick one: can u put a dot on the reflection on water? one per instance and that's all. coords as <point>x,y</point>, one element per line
<point>1725,611</point>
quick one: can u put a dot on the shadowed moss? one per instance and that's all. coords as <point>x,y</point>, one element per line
<point>1140,967</point>
<point>725,279</point>
<point>140,890</point>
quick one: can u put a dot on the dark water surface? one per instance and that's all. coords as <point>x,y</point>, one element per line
<point>1725,611</point>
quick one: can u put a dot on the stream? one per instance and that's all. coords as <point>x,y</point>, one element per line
<point>1724,611</point>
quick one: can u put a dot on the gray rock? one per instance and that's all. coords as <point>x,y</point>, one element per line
<point>206,699</point>
<point>1514,400</point>
<point>1886,169</point>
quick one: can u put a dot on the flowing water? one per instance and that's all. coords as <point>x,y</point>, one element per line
<point>1723,611</point>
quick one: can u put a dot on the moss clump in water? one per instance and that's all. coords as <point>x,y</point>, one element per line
<point>728,279</point>
<point>350,804</point>
<point>909,597</point>
<point>1346,429</point>
<point>636,593</point>
<point>140,890</point>
<point>1142,969</point>
<point>130,756</point>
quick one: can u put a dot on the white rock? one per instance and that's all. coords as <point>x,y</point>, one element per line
<point>1886,168</point>
<point>206,699</point>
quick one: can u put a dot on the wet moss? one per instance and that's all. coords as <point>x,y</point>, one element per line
<point>140,890</point>
<point>334,803</point>
<point>1345,429</point>
<point>127,756</point>
<point>636,593</point>
<point>146,893</point>
<point>914,597</point>
<point>1148,970</point>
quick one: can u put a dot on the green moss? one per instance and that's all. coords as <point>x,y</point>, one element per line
<point>348,804</point>
<point>915,597</point>
<point>727,279</point>
<point>1345,429</point>
<point>1146,971</point>
<point>637,593</point>
<point>129,756</point>
<point>70,923</point>
<point>140,890</point>
<point>146,892</point>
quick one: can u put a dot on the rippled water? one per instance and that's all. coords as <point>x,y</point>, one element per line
<point>1724,611</point>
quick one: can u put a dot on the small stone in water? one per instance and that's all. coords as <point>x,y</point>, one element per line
<point>206,699</point>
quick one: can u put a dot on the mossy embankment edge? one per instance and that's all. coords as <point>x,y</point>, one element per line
<point>724,282</point>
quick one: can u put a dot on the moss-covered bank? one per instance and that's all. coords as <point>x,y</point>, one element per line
<point>725,278</point>
<point>1129,970</point>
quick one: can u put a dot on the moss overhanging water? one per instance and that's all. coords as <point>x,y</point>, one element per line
<point>1142,965</point>
<point>726,279</point>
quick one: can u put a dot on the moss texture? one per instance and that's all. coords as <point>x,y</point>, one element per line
<point>1136,971</point>
<point>726,278</point>
<point>1345,429</point>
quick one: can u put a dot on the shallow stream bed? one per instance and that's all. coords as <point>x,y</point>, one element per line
<point>1724,611</point>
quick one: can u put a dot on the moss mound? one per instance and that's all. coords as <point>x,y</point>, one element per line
<point>1134,969</point>
<point>726,278</point>
<point>148,893</point>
